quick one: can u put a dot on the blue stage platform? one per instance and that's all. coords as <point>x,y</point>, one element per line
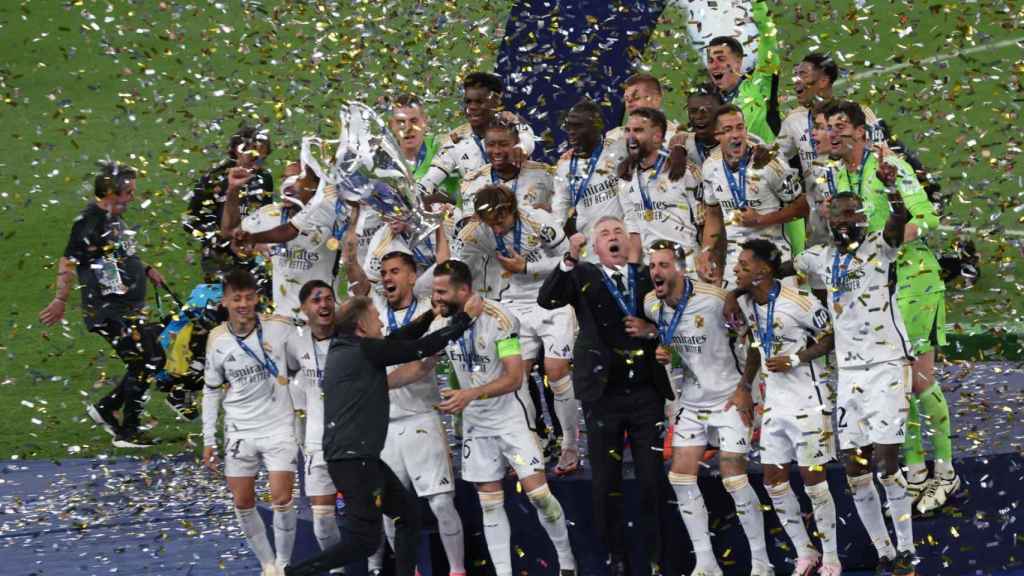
<point>168,516</point>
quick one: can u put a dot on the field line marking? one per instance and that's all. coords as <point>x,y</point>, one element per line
<point>931,60</point>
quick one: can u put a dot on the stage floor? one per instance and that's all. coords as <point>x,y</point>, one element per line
<point>168,516</point>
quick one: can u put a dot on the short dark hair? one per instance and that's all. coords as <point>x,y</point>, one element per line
<point>765,251</point>
<point>847,195</point>
<point>238,279</point>
<point>405,257</point>
<point>350,313</point>
<point>307,289</point>
<point>483,80</point>
<point>643,78</point>
<point>706,89</point>
<point>406,100</point>
<point>823,63</point>
<point>111,178</point>
<point>734,45</point>
<point>656,117</point>
<point>587,106</point>
<point>457,272</point>
<point>499,123</point>
<point>854,113</point>
<point>728,109</point>
<point>248,135</point>
<point>677,250</point>
<point>493,200</point>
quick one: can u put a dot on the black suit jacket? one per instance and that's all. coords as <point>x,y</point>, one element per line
<point>602,327</point>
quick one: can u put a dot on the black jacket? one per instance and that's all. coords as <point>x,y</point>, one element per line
<point>356,383</point>
<point>602,329</point>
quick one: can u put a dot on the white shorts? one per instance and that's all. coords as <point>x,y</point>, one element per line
<point>805,438</point>
<point>416,449</point>
<point>242,456</point>
<point>554,331</point>
<point>317,481</point>
<point>698,427</point>
<point>487,458</point>
<point>871,407</point>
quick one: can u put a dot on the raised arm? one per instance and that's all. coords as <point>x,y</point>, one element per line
<point>561,286</point>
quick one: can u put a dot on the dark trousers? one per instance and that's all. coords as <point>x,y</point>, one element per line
<point>137,344</point>
<point>370,490</point>
<point>638,412</point>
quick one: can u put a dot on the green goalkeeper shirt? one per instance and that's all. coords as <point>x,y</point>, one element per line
<point>758,93</point>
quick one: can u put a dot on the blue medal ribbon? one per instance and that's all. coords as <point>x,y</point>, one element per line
<point>738,189</point>
<point>577,189</point>
<point>409,312</point>
<point>468,350</point>
<point>666,331</point>
<point>839,275</point>
<point>266,361</point>
<point>766,329</point>
<point>810,134</point>
<point>702,151</point>
<point>628,307</point>
<point>483,151</point>
<point>645,198</point>
<point>517,240</point>
<point>496,179</point>
<point>830,178</point>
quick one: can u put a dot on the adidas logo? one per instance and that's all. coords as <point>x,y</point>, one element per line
<point>305,356</point>
<point>819,454</point>
<point>230,358</point>
<point>742,442</point>
<point>445,482</point>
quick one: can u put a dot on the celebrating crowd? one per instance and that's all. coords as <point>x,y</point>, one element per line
<point>762,284</point>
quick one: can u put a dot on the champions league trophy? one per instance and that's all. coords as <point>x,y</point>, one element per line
<point>368,167</point>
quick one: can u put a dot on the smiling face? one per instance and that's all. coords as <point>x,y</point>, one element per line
<point>479,104</point>
<point>582,130</point>
<point>725,67</point>
<point>665,272</point>
<point>809,83</point>
<point>241,304</point>
<point>731,132</point>
<point>847,220</point>
<point>319,307</point>
<point>700,109</point>
<point>450,295</point>
<point>500,142</point>
<point>610,242</point>
<point>642,137</point>
<point>398,279</point>
<point>642,95</point>
<point>843,136</point>
<point>749,270</point>
<point>409,125</point>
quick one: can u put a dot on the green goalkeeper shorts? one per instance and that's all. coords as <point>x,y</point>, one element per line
<point>924,315</point>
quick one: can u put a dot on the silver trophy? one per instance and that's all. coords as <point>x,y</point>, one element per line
<point>368,167</point>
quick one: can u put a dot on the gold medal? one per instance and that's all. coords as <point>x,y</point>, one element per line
<point>648,215</point>
<point>332,244</point>
<point>736,217</point>
<point>282,379</point>
<point>838,308</point>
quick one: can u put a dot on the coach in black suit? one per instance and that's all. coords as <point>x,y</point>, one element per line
<point>615,376</point>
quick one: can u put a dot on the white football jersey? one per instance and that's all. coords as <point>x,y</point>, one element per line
<point>419,397</point>
<point>474,357</point>
<point>595,185</point>
<point>306,257</point>
<point>385,241</point>
<point>332,214</point>
<point>861,300</point>
<point>541,243</point>
<point>703,342</point>
<point>798,319</point>
<point>255,404</point>
<point>533,185</point>
<point>462,152</point>
<point>767,190</point>
<point>695,151</point>
<point>307,357</point>
<point>795,135</point>
<point>672,210</point>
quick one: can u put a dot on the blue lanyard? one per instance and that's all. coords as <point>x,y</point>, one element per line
<point>420,157</point>
<point>628,308</point>
<point>338,230</point>
<point>830,177</point>
<point>645,198</point>
<point>483,151</point>
<point>860,174</point>
<point>810,134</point>
<point>267,362</point>
<point>517,239</point>
<point>393,324</point>
<point>702,150</point>
<point>495,179</point>
<point>577,189</point>
<point>468,351</point>
<point>839,274</point>
<point>766,329</point>
<point>316,360</point>
<point>667,331</point>
<point>738,190</point>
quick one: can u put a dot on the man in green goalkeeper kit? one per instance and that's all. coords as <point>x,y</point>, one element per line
<point>920,293</point>
<point>757,93</point>
<point>408,122</point>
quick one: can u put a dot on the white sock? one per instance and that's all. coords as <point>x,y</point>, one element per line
<point>787,508</point>
<point>256,534</point>
<point>497,532</point>
<point>284,531</point>
<point>825,519</point>
<point>869,508</point>
<point>449,526</point>
<point>552,518</point>
<point>325,526</point>
<point>695,517</point>
<point>944,470</point>
<point>567,410</point>
<point>901,508</point>
<point>748,508</point>
<point>917,473</point>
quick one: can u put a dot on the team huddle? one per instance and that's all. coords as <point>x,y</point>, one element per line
<point>752,279</point>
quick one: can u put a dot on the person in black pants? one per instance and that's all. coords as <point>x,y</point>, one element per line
<point>356,411</point>
<point>616,377</point>
<point>101,250</point>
